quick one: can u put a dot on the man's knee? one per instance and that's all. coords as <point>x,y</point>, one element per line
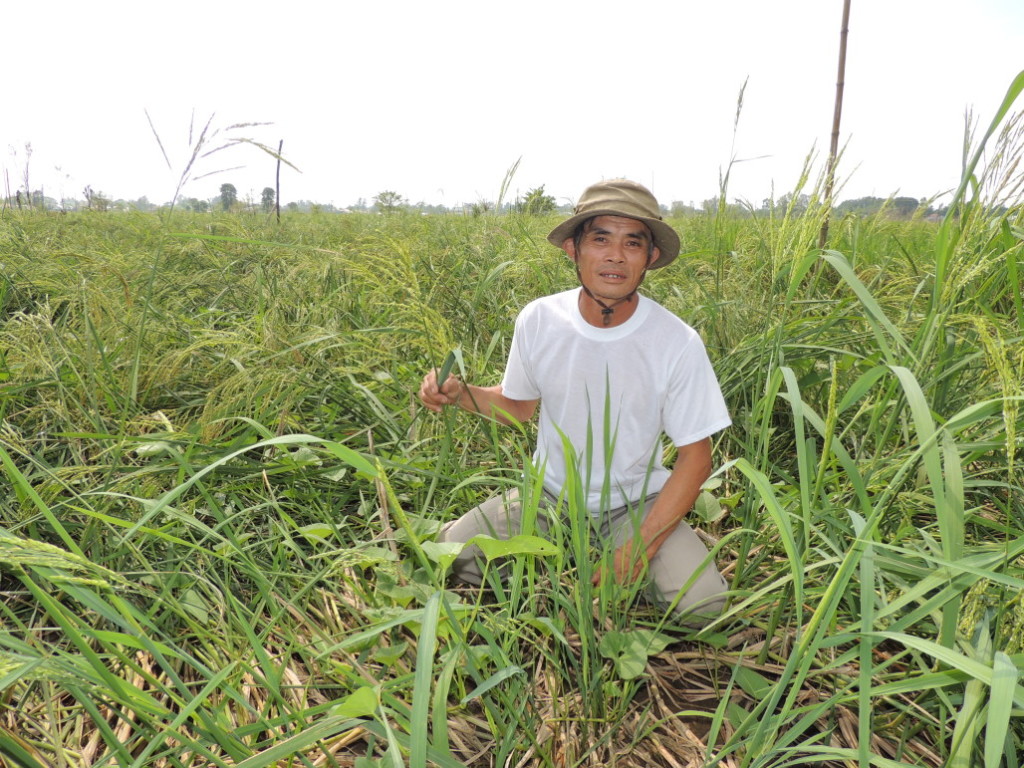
<point>684,577</point>
<point>703,602</point>
<point>499,517</point>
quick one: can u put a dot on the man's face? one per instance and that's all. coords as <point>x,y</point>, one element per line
<point>612,255</point>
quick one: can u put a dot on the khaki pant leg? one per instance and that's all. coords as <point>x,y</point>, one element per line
<point>500,517</point>
<point>672,566</point>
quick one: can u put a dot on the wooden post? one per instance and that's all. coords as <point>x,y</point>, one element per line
<point>277,191</point>
<point>830,172</point>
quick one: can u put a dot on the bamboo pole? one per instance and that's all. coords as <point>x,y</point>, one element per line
<point>277,183</point>
<point>830,173</point>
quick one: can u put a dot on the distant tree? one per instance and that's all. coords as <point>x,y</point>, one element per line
<point>228,196</point>
<point>897,207</point>
<point>267,199</point>
<point>26,178</point>
<point>795,204</point>
<point>905,206</point>
<point>196,205</point>
<point>536,202</point>
<point>41,202</point>
<point>95,201</point>
<point>862,206</point>
<point>480,207</point>
<point>292,206</point>
<point>142,204</point>
<point>429,208</point>
<point>388,201</point>
<point>680,209</point>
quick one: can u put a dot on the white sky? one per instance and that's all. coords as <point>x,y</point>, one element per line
<point>437,99</point>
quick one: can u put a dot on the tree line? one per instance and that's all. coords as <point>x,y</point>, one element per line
<point>535,201</point>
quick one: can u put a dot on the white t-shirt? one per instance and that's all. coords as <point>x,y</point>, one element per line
<point>653,374</point>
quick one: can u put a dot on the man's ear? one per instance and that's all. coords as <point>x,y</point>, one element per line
<point>569,246</point>
<point>655,255</point>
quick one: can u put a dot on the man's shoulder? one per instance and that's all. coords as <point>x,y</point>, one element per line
<point>665,319</point>
<point>552,302</point>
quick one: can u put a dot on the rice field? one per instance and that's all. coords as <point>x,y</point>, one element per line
<point>219,495</point>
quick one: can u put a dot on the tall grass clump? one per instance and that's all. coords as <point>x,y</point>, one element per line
<point>220,497</point>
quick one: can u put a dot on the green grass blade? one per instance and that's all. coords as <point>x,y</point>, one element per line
<point>306,738</point>
<point>212,685</point>
<point>1000,707</point>
<point>420,717</point>
<point>18,752</point>
<point>496,679</point>
<point>176,492</point>
<point>22,485</point>
<point>865,714</point>
<point>875,315</point>
<point>951,229</point>
<point>446,367</point>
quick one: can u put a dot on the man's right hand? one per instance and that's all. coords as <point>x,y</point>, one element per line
<point>434,397</point>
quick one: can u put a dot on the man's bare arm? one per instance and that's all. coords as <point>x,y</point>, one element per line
<point>488,401</point>
<point>677,497</point>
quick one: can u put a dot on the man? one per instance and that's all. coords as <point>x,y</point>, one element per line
<point>602,354</point>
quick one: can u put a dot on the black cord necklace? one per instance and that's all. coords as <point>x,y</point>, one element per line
<point>607,309</point>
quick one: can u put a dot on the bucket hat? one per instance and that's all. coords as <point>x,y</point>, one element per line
<point>621,197</point>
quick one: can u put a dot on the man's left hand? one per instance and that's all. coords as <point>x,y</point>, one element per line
<point>628,564</point>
